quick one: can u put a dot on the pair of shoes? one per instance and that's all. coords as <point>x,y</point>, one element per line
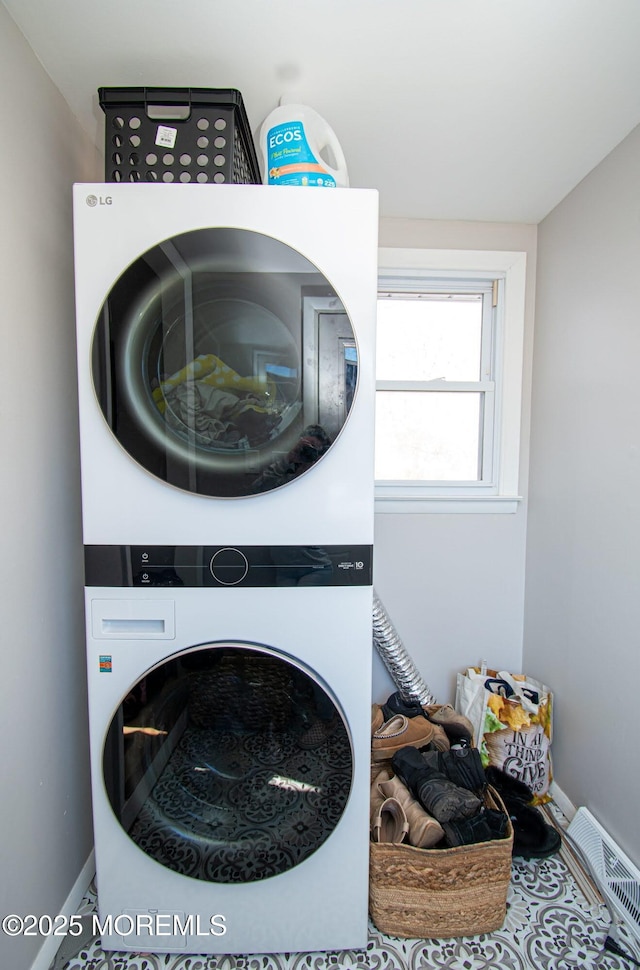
<point>532,837</point>
<point>437,795</point>
<point>399,732</point>
<point>383,713</point>
<point>388,819</point>
<point>458,728</point>
<point>424,830</point>
<point>486,826</point>
<point>462,766</point>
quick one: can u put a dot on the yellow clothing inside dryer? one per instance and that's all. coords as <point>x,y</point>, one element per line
<point>212,371</point>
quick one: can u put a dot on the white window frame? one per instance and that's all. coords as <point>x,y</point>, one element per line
<point>499,491</point>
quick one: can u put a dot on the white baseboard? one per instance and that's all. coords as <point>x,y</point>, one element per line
<point>49,948</point>
<point>565,805</point>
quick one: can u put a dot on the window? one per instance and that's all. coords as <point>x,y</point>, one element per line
<point>448,380</point>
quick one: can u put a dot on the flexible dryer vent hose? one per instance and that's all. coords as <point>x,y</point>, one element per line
<point>401,667</point>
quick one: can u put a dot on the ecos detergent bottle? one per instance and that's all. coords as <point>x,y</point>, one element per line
<point>293,140</point>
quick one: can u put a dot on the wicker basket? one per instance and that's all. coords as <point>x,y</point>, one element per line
<point>438,893</point>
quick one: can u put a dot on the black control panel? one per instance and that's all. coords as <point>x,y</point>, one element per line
<point>228,566</point>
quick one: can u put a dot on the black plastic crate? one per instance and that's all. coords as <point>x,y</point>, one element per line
<point>177,135</point>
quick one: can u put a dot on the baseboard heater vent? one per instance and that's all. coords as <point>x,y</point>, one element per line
<point>618,877</point>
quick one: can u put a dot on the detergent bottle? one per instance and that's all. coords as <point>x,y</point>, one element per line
<point>299,148</point>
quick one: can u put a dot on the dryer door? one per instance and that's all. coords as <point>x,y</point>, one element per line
<point>228,763</point>
<point>224,362</point>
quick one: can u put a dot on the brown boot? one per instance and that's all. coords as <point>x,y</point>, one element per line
<point>382,773</point>
<point>424,830</point>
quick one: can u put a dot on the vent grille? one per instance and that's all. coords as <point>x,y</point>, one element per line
<point>617,876</point>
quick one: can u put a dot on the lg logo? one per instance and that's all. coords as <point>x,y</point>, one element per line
<point>94,200</point>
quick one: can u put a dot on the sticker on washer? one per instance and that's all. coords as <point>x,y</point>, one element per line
<point>106,663</point>
<point>166,137</point>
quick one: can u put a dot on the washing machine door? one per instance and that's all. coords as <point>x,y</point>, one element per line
<point>224,362</point>
<point>228,763</point>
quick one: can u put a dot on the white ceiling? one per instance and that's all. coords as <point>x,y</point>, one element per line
<point>454,109</point>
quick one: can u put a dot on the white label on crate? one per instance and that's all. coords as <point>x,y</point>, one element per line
<point>166,137</point>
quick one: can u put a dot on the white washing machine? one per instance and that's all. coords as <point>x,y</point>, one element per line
<point>229,699</point>
<point>225,362</point>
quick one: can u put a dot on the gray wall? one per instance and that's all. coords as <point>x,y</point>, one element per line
<point>453,585</point>
<point>45,827</point>
<point>582,606</point>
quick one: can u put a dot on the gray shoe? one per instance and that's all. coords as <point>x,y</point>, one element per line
<point>437,795</point>
<point>457,726</point>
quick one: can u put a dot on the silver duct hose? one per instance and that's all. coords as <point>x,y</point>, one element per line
<point>401,667</point>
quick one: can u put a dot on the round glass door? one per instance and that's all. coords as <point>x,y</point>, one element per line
<point>228,763</point>
<point>224,362</point>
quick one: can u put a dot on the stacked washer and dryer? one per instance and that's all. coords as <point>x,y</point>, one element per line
<point>226,388</point>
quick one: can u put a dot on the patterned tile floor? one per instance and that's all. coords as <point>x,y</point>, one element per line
<point>550,925</point>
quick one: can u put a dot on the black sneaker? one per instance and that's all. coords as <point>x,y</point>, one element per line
<point>440,797</point>
<point>486,826</point>
<point>396,705</point>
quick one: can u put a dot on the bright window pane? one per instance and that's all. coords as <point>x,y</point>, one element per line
<point>427,339</point>
<point>427,436</point>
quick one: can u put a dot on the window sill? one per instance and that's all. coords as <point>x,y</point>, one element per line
<point>445,505</point>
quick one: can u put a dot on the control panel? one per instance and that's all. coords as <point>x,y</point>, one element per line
<point>228,566</point>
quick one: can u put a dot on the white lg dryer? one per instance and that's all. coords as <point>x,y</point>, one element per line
<point>225,362</point>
